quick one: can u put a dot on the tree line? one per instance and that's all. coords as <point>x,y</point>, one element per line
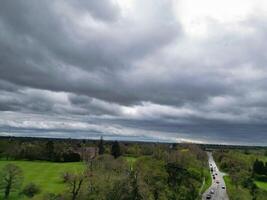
<point>156,172</point>
<point>55,151</point>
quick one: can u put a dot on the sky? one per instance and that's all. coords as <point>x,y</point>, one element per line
<point>153,70</point>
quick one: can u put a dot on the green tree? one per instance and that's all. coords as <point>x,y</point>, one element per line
<point>11,179</point>
<point>121,190</point>
<point>258,167</point>
<point>101,148</point>
<point>152,177</point>
<point>135,190</point>
<point>182,182</point>
<point>115,149</point>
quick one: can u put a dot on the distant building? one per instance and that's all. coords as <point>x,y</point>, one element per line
<point>87,153</point>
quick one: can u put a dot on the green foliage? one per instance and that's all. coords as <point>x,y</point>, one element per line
<point>243,168</point>
<point>31,190</point>
<point>50,150</point>
<point>101,147</point>
<point>116,150</point>
<point>235,193</point>
<point>130,160</point>
<point>10,179</point>
<point>259,167</point>
<point>152,177</point>
<point>262,185</point>
<point>74,183</point>
<point>207,183</point>
<point>184,183</point>
<point>51,196</point>
<point>151,172</point>
<point>71,157</point>
<point>45,174</point>
<point>120,190</point>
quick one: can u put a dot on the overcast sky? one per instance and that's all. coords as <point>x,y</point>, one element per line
<point>153,70</point>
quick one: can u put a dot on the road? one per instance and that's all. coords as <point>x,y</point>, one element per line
<point>219,192</point>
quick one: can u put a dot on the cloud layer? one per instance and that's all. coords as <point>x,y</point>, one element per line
<point>153,70</point>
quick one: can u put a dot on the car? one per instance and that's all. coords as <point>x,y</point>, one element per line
<point>211,191</point>
<point>223,187</point>
<point>208,196</point>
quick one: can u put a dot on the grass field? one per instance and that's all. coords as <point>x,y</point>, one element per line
<point>44,174</point>
<point>47,175</point>
<point>207,180</point>
<point>262,185</point>
<point>130,160</point>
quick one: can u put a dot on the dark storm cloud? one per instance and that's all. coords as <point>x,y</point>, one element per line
<point>94,66</point>
<point>7,86</point>
<point>49,50</point>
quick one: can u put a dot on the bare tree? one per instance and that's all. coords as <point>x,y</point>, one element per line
<point>11,179</point>
<point>74,183</point>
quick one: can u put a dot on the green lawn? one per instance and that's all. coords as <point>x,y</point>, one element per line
<point>130,160</point>
<point>45,174</point>
<point>262,185</point>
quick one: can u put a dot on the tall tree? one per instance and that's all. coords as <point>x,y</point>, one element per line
<point>258,167</point>
<point>11,179</point>
<point>101,148</point>
<point>115,149</point>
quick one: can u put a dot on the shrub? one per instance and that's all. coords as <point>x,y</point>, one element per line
<point>66,177</point>
<point>30,190</point>
<point>52,196</point>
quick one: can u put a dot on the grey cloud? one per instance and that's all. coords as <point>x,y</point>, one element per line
<point>139,70</point>
<point>103,10</point>
<point>50,59</point>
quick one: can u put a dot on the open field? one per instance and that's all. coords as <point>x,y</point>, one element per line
<point>47,175</point>
<point>44,174</point>
<point>130,160</point>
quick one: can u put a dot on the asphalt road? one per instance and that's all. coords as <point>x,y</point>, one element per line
<point>219,193</point>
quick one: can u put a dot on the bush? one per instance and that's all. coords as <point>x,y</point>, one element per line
<point>52,196</point>
<point>71,157</point>
<point>260,177</point>
<point>30,190</point>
